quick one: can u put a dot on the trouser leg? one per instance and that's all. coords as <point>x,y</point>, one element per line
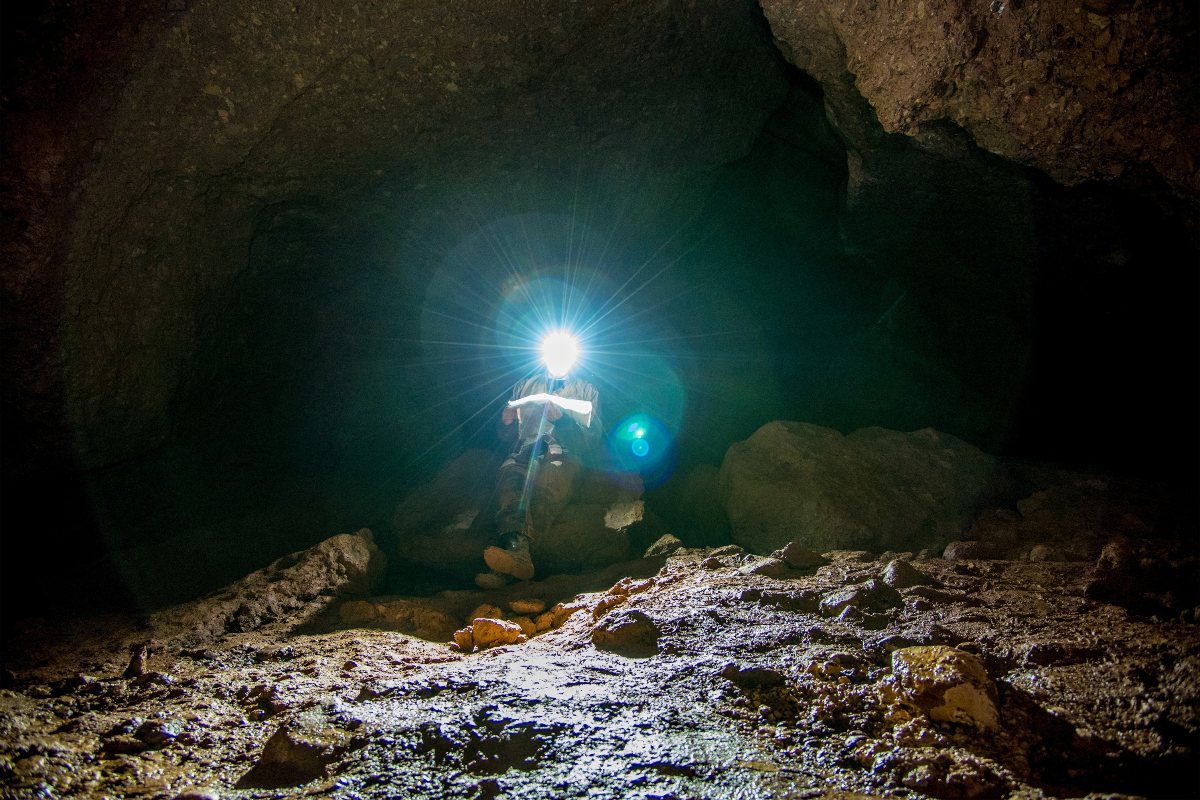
<point>553,483</point>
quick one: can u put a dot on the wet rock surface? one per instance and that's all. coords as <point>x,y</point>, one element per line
<point>662,677</point>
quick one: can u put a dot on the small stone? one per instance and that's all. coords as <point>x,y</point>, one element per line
<point>797,556</point>
<point>544,622</point>
<point>608,603</point>
<point>563,611</point>
<point>900,574</point>
<point>753,677</point>
<point>727,550</point>
<point>494,632</point>
<point>664,546</point>
<point>138,653</point>
<point>871,595</point>
<point>712,562</point>
<point>527,606</point>
<point>949,685</point>
<point>465,639</point>
<point>528,627</point>
<point>485,611</point>
<point>630,631</point>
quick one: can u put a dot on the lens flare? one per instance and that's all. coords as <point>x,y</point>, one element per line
<point>560,351</point>
<point>641,443</point>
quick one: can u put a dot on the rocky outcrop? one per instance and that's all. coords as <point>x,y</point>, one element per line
<point>1080,91</point>
<point>445,524</point>
<point>874,489</point>
<point>296,588</point>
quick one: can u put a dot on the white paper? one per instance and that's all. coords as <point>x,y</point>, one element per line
<point>581,407</point>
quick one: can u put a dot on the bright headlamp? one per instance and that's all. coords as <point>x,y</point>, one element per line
<point>560,351</point>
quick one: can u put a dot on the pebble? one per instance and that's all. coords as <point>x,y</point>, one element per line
<point>495,632</point>
<point>527,606</point>
<point>628,630</point>
<point>900,574</point>
<point>465,639</point>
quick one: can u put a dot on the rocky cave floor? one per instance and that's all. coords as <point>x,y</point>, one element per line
<point>692,673</point>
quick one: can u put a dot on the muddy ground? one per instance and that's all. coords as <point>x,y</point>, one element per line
<point>699,673</point>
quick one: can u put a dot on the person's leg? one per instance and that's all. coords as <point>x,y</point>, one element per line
<point>511,555</point>
<point>553,485</point>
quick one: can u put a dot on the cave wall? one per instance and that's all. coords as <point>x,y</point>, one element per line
<point>226,118</point>
<point>224,224</point>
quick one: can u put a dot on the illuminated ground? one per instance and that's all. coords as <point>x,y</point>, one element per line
<point>731,685</point>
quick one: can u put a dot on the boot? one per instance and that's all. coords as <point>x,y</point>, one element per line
<point>511,557</point>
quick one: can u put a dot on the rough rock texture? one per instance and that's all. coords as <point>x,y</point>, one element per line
<point>1081,91</point>
<point>203,133</point>
<point>298,752</point>
<point>875,489</point>
<point>948,684</point>
<point>446,523</point>
<point>747,691</point>
<point>298,587</point>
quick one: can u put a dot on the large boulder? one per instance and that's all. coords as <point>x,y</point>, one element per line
<point>873,489</point>
<point>445,524</point>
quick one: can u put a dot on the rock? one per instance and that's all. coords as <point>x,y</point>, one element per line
<point>495,632</point>
<point>485,611</point>
<point>544,622</point>
<point>608,603</point>
<point>1049,552</point>
<point>357,611</point>
<point>138,653</point>
<point>198,793</point>
<point>664,546</point>
<point>629,631</point>
<point>797,556</point>
<point>753,677</point>
<point>727,550</point>
<point>295,588</point>
<point>874,489</point>
<point>563,611</point>
<point>440,526</point>
<point>947,684</point>
<point>527,606</point>
<point>873,595</point>
<point>767,567</point>
<point>900,574</point>
<point>1076,115</point>
<point>297,752</point>
<point>528,626</point>
<point>968,551</point>
<point>587,536</point>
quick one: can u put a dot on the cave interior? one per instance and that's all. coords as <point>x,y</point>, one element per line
<point>272,267</point>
